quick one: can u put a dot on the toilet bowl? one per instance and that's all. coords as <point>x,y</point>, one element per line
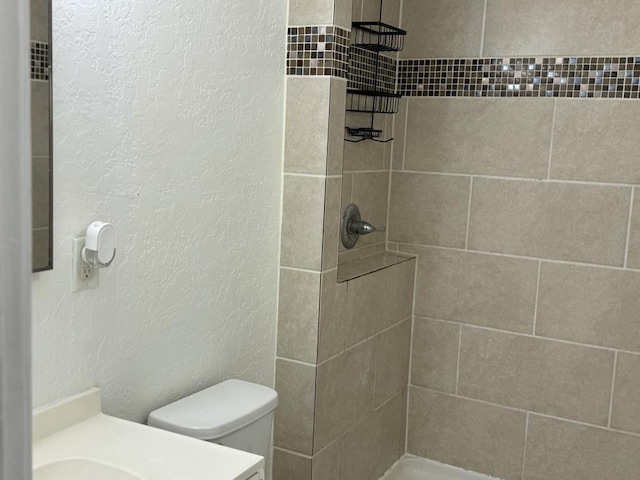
<point>233,413</point>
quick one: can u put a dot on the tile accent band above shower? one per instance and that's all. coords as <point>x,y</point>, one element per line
<point>325,51</point>
<point>566,77</point>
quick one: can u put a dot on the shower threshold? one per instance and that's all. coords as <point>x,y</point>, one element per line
<point>415,468</point>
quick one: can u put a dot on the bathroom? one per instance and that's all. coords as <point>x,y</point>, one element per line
<point>508,346</point>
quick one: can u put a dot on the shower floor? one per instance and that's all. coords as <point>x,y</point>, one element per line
<point>413,468</point>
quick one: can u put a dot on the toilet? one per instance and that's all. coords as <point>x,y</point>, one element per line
<point>233,413</point>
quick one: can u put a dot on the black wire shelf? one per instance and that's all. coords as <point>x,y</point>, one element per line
<point>378,37</point>
<point>372,101</point>
<point>364,132</point>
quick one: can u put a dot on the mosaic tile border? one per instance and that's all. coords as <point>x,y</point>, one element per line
<point>318,51</point>
<point>566,77</point>
<point>39,60</point>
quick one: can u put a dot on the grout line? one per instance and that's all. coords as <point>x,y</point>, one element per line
<point>404,136</point>
<point>553,129</point>
<point>459,354</point>
<point>356,345</point>
<point>355,172</point>
<point>386,229</point>
<point>528,335</point>
<point>626,247</point>
<point>304,270</point>
<point>524,179</point>
<point>519,257</point>
<point>484,26</point>
<point>413,325</point>
<point>535,305</point>
<point>311,175</point>
<point>298,362</point>
<point>538,414</point>
<point>613,384</point>
<point>466,238</point>
<point>293,452</point>
<point>524,452</point>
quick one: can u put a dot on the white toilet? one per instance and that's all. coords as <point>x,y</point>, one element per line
<point>233,413</point>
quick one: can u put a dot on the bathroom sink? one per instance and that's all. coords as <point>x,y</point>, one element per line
<point>74,440</point>
<point>81,468</point>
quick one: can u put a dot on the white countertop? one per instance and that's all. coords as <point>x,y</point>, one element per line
<point>74,429</point>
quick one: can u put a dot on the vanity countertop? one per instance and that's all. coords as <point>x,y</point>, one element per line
<point>76,430</point>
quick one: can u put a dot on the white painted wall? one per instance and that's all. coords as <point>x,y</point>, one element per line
<point>168,122</point>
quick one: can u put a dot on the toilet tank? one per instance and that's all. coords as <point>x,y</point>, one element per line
<point>233,413</point>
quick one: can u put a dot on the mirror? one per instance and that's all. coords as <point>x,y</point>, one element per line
<point>41,127</point>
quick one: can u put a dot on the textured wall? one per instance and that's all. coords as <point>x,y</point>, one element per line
<point>168,123</point>
<point>524,216</point>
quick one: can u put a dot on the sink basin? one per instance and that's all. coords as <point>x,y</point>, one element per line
<point>82,468</point>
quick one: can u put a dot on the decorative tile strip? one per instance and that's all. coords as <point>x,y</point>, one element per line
<point>362,71</point>
<point>39,61</point>
<point>318,50</point>
<point>581,77</point>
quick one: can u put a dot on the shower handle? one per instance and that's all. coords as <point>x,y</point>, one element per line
<point>352,226</point>
<point>363,228</point>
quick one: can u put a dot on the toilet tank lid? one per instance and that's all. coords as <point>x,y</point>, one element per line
<point>216,411</point>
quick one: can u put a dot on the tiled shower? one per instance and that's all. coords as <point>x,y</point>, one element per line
<point>512,181</point>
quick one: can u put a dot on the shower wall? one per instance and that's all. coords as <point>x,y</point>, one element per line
<point>524,215</point>
<point>343,335</point>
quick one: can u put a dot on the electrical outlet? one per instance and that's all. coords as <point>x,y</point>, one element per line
<point>84,277</point>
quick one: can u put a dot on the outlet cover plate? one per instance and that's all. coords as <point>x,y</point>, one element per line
<point>83,276</point>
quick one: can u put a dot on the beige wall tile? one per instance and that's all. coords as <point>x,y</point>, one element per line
<point>371,194</point>
<point>392,362</point>
<point>598,306</point>
<point>336,142</point>
<point>596,141</point>
<point>633,255</point>
<point>473,288</point>
<point>356,10</point>
<point>310,12</point>
<point>325,465</point>
<point>522,27</point>
<point>399,129</point>
<point>626,410</point>
<point>298,310</point>
<point>429,209</point>
<point>565,451</point>
<point>289,466</point>
<point>534,374</point>
<point>442,28</point>
<point>507,137</point>
<point>40,119</point>
<point>333,304</point>
<point>390,11</point>
<point>293,425</point>
<point>332,214</point>
<point>372,446</point>
<point>342,13</point>
<point>302,222</point>
<point>307,125</point>
<point>40,254</point>
<point>434,362</point>
<point>344,393</point>
<point>40,176</point>
<point>467,434</point>
<point>365,155</point>
<point>378,300</point>
<point>39,19</point>
<point>582,223</point>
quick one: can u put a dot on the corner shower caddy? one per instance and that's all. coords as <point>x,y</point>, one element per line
<point>375,37</point>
